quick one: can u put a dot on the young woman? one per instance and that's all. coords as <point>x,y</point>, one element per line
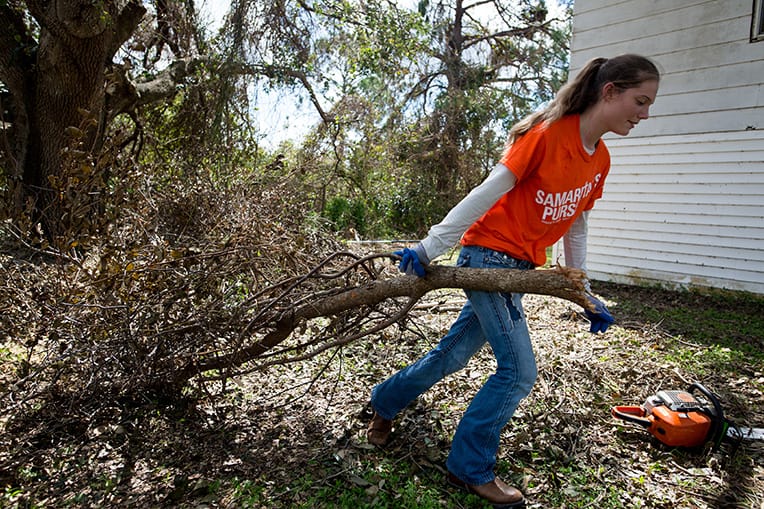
<point>549,177</point>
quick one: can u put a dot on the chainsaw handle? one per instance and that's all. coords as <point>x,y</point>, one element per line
<point>711,397</point>
<point>718,426</point>
<point>633,414</point>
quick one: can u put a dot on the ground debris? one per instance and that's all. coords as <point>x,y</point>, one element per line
<point>284,436</point>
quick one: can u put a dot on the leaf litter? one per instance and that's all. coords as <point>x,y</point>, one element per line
<point>278,437</point>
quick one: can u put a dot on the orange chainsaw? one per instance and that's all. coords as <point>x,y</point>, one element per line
<point>682,419</point>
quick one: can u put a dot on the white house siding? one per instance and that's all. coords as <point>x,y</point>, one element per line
<point>684,202</point>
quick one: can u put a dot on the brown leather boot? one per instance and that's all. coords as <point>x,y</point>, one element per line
<point>497,492</point>
<point>379,430</point>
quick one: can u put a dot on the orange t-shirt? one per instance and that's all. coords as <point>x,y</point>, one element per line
<point>556,181</point>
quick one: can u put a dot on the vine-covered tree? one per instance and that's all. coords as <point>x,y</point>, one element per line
<point>420,95</point>
<point>65,74</point>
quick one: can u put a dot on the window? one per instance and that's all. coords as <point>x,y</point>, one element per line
<point>757,23</point>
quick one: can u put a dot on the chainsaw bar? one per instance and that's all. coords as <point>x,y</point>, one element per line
<point>741,433</point>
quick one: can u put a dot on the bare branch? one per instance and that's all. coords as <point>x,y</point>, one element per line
<point>273,71</point>
<point>562,282</point>
<point>127,21</point>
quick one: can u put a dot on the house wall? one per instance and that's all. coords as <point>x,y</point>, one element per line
<point>684,202</point>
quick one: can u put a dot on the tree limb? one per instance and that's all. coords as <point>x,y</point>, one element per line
<point>127,21</point>
<point>272,71</point>
<point>165,83</point>
<point>129,94</point>
<point>562,282</point>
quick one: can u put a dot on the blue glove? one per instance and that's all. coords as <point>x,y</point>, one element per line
<point>413,260</point>
<point>600,318</point>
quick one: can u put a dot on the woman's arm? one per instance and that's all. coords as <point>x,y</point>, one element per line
<point>445,234</point>
<point>574,243</point>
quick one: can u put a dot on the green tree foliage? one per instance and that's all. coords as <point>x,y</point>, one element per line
<point>485,66</point>
<point>415,100</point>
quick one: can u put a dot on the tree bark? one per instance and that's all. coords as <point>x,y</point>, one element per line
<point>52,81</point>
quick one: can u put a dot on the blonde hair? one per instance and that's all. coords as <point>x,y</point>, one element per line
<point>624,71</point>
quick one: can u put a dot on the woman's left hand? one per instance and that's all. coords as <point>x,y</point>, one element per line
<point>600,318</point>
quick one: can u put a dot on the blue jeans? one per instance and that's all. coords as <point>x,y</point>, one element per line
<point>487,316</point>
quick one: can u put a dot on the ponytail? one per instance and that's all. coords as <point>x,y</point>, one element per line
<point>624,71</point>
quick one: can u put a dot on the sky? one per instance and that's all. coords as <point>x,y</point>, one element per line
<point>213,11</point>
<point>279,117</point>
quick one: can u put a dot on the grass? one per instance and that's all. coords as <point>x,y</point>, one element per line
<point>387,483</point>
<point>707,332</point>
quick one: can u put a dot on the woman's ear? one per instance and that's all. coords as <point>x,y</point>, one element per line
<point>609,90</point>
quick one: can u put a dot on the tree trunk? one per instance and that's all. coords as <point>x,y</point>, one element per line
<point>58,85</point>
<point>70,77</point>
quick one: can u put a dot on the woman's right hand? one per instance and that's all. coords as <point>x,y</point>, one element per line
<point>413,261</point>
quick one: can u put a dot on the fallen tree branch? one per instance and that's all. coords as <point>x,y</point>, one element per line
<point>562,282</point>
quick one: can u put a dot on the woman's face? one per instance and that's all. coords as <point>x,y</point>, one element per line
<point>625,108</point>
